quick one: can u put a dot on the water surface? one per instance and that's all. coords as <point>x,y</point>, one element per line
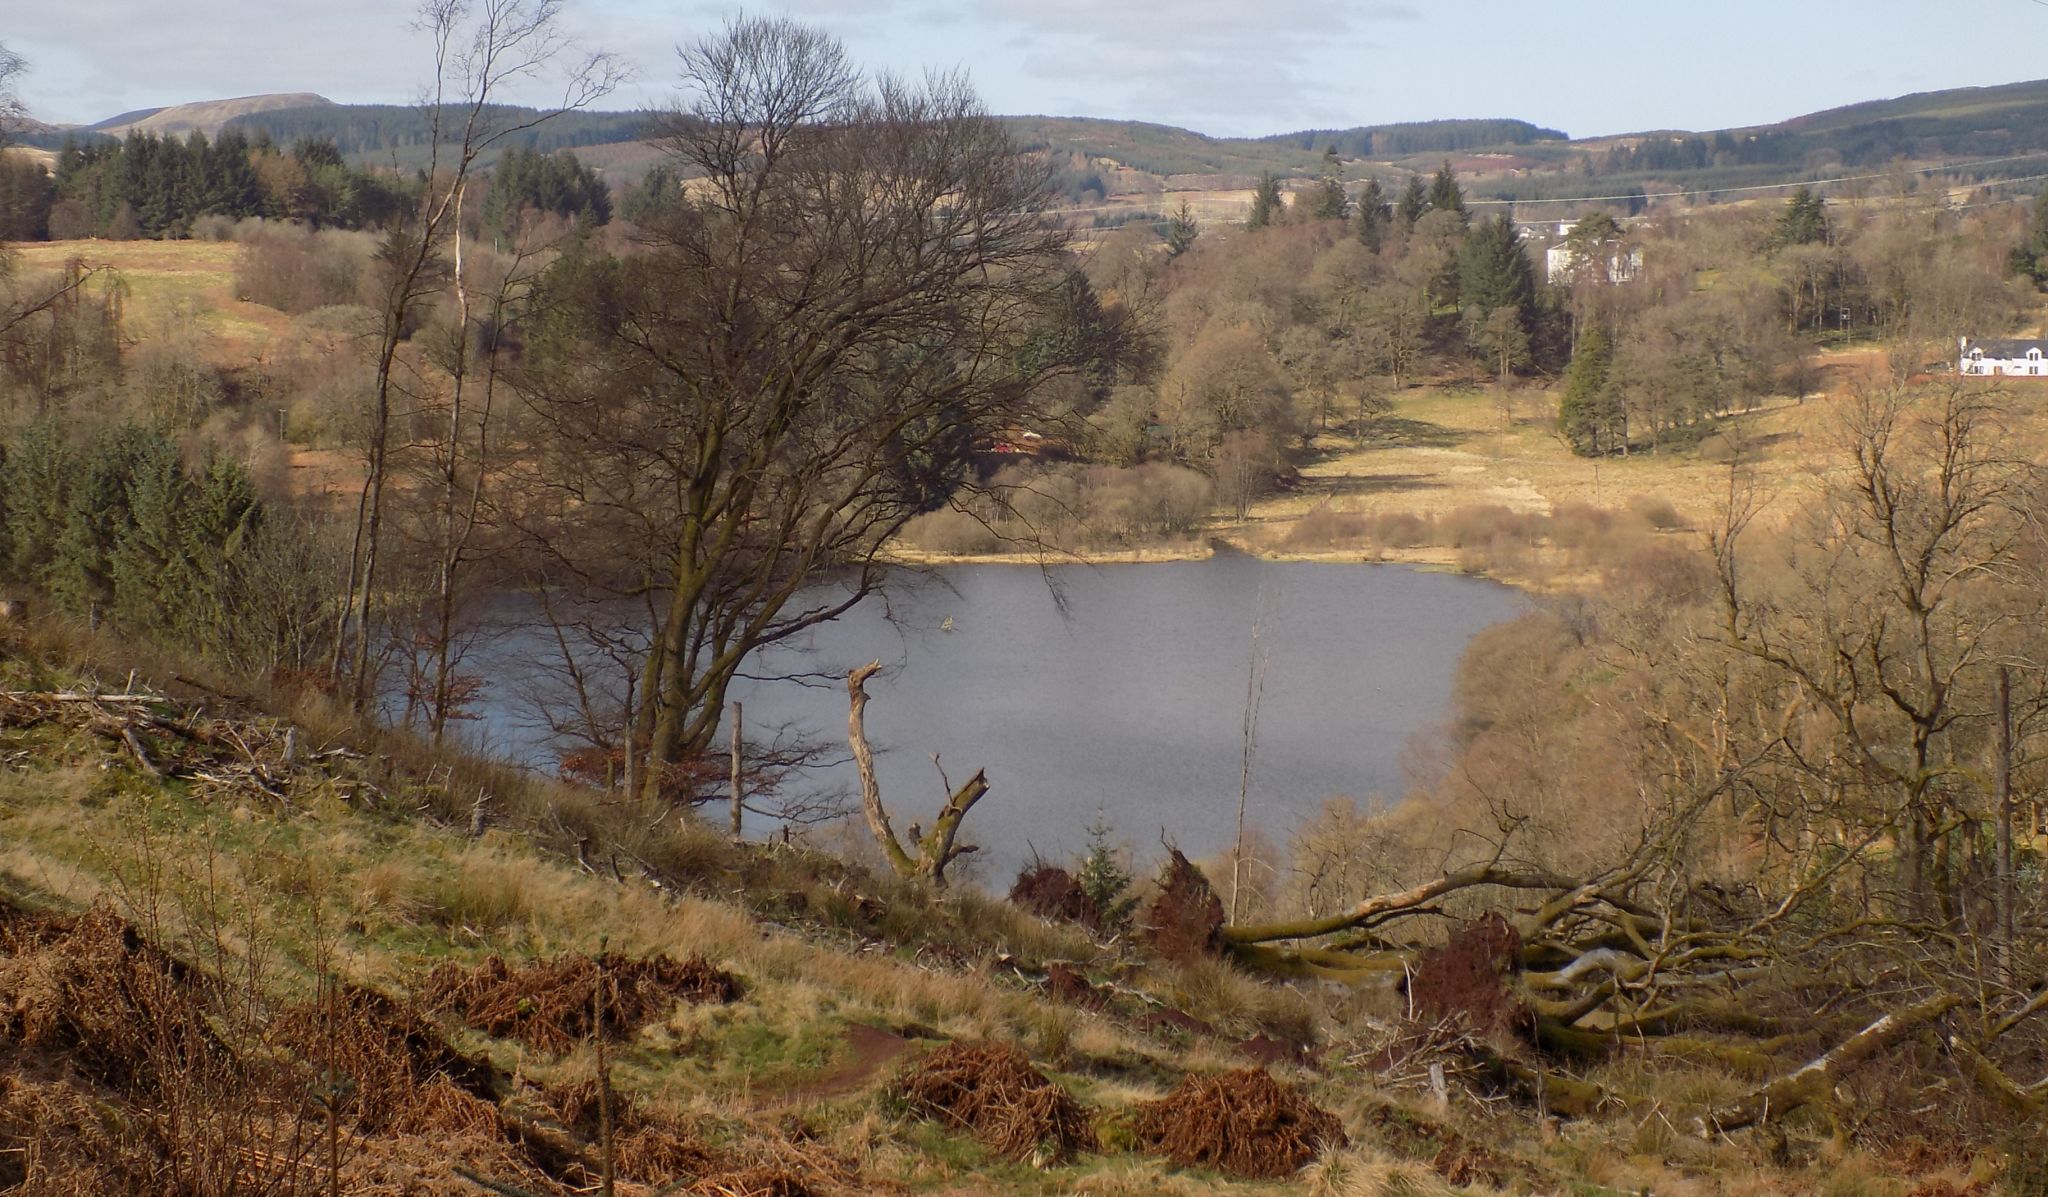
<point>1123,689</point>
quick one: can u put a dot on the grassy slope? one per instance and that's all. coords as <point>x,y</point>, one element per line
<point>387,894</point>
<point>385,883</point>
<point>1446,448</point>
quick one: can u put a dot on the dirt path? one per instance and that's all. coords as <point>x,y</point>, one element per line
<point>869,1052</point>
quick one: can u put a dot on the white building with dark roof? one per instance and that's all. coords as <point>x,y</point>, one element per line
<point>2011,357</point>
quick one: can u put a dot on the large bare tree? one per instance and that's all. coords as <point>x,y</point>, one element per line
<point>851,291</point>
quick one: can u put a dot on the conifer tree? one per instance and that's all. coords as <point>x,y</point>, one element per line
<point>96,515</point>
<point>1444,193</point>
<point>1267,205</point>
<point>1804,221</point>
<point>233,190</point>
<point>1103,877</point>
<point>146,565</point>
<point>1494,272</point>
<point>1330,202</point>
<point>1414,202</point>
<point>658,192</point>
<point>2031,256</point>
<point>1590,417</point>
<point>1181,231</point>
<point>1374,216</point>
<point>222,518</point>
<point>35,483</point>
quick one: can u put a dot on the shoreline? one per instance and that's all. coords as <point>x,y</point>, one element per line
<point>1429,559</point>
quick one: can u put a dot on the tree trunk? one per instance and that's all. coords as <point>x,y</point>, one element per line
<point>939,847</point>
<point>2006,896</point>
<point>864,762</point>
<point>738,794</point>
<point>1816,1079</point>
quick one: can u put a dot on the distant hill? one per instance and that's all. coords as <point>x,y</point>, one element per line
<point>123,120</point>
<point>372,131</point>
<point>206,116</point>
<point>1419,137</point>
<point>1128,164</point>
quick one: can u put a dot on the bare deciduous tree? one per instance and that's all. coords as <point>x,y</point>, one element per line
<point>800,360</point>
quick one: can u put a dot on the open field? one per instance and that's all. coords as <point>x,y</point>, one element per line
<point>174,286</point>
<point>1444,450</point>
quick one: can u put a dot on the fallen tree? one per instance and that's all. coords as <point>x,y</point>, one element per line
<point>1552,970</point>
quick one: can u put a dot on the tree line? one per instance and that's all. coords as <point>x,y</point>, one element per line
<point>120,528</point>
<point>154,187</point>
<point>1420,137</point>
<point>159,188</point>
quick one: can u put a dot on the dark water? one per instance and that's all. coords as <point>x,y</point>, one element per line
<point>1122,688</point>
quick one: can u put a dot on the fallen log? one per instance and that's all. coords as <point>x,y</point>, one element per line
<point>35,696</point>
<point>2027,1101</point>
<point>1388,905</point>
<point>1816,1079</point>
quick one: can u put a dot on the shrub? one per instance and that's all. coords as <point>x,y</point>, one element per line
<point>1577,525</point>
<point>1657,512</point>
<point>950,531</point>
<point>1325,528</point>
<point>1402,530</point>
<point>1479,527</point>
<point>296,271</point>
<point>213,227</point>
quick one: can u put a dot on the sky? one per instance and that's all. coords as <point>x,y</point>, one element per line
<point>1225,67</point>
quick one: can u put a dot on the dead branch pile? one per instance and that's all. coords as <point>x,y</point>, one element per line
<point>993,1092</point>
<point>653,1149</point>
<point>391,1071</point>
<point>1051,893</point>
<point>243,758</point>
<point>1555,971</point>
<point>1242,1123</point>
<point>91,988</point>
<point>551,1005</point>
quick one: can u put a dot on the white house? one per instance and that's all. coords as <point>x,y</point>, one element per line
<point>2022,358</point>
<point>1621,264</point>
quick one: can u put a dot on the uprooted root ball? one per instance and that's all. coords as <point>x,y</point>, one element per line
<point>552,1004</point>
<point>1243,1123</point>
<point>993,1092</point>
